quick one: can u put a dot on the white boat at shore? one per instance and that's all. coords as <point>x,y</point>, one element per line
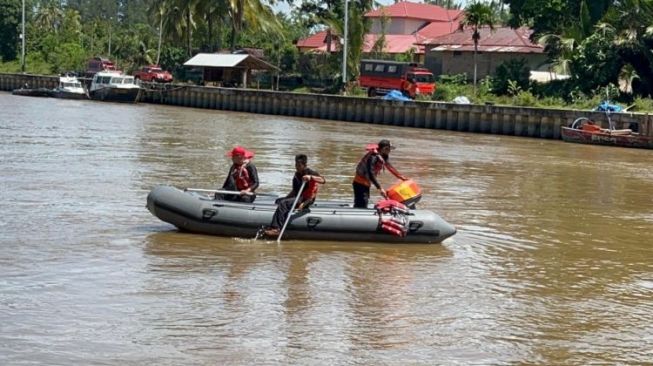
<point>70,88</point>
<point>114,86</point>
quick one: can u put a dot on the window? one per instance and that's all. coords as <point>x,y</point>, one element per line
<point>379,68</point>
<point>392,69</point>
<point>368,67</point>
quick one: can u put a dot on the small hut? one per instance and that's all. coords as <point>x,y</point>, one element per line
<point>226,69</point>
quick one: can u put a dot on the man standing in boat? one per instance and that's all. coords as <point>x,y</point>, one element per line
<point>284,207</point>
<point>242,176</point>
<point>368,168</point>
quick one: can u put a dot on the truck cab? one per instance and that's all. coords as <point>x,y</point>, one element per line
<point>381,76</point>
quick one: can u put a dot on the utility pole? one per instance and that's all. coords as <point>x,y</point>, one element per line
<point>22,38</point>
<point>344,47</point>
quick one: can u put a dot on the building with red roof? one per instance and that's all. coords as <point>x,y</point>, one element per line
<point>454,53</point>
<point>408,25</point>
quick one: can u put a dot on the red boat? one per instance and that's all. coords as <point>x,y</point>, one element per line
<point>585,131</point>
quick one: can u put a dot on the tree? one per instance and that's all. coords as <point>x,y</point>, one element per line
<point>49,16</point>
<point>9,25</point>
<point>631,21</point>
<point>331,13</point>
<point>378,49</point>
<point>555,16</point>
<point>477,15</point>
<point>255,14</point>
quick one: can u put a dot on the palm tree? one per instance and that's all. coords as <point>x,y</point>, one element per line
<point>358,26</point>
<point>477,15</point>
<point>561,51</point>
<point>632,21</point>
<point>255,14</point>
<point>157,10</point>
<point>49,16</point>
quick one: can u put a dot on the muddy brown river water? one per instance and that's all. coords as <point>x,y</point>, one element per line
<point>552,263</point>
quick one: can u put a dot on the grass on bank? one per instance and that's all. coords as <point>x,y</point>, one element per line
<point>448,88</point>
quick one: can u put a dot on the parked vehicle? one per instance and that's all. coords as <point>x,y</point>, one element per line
<point>380,76</point>
<point>153,73</point>
<point>97,64</point>
<point>115,87</point>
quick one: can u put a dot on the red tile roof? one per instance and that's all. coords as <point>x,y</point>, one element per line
<point>316,40</point>
<point>406,9</point>
<point>436,29</point>
<point>502,39</point>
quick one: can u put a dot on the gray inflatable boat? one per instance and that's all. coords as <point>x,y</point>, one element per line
<point>324,220</point>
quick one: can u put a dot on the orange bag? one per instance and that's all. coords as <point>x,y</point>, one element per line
<point>406,192</point>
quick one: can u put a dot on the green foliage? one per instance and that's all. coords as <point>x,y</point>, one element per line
<point>524,99</point>
<point>643,104</point>
<point>457,79</point>
<point>172,59</point>
<point>9,29</point>
<point>34,64</point>
<point>67,57</point>
<point>514,71</point>
<point>596,63</point>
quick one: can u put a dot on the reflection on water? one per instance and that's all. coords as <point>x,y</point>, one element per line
<point>552,263</point>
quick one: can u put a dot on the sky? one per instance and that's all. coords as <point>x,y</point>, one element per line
<point>284,7</point>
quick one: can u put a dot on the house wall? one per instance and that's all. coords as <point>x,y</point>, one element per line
<point>397,26</point>
<point>455,62</point>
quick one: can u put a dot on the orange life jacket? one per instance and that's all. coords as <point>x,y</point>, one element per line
<point>241,177</point>
<point>310,190</point>
<point>361,168</point>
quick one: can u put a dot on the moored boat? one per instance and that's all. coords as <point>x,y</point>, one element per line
<point>115,87</point>
<point>36,92</point>
<point>585,131</point>
<point>70,88</point>
<point>324,220</point>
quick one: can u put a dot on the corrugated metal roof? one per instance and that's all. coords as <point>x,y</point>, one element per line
<point>228,60</point>
<point>215,60</point>
<point>407,9</point>
<point>501,39</point>
<point>497,49</point>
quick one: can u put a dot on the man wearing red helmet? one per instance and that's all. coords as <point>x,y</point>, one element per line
<point>242,176</point>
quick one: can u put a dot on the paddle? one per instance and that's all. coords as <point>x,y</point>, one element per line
<point>292,208</point>
<point>222,191</point>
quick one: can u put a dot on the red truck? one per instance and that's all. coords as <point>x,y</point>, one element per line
<point>97,64</point>
<point>380,76</point>
<point>153,73</point>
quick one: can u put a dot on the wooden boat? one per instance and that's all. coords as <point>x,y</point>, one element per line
<point>585,131</point>
<point>324,220</point>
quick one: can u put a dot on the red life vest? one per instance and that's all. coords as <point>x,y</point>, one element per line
<point>394,222</point>
<point>310,190</point>
<point>241,177</point>
<point>394,227</point>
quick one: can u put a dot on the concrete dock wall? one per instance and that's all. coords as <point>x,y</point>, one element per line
<point>491,119</point>
<point>9,82</point>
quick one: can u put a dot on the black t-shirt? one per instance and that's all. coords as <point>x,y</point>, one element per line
<point>297,179</point>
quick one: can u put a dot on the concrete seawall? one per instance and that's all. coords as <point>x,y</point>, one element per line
<point>491,119</point>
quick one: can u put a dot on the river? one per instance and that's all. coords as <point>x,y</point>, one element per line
<point>552,263</point>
